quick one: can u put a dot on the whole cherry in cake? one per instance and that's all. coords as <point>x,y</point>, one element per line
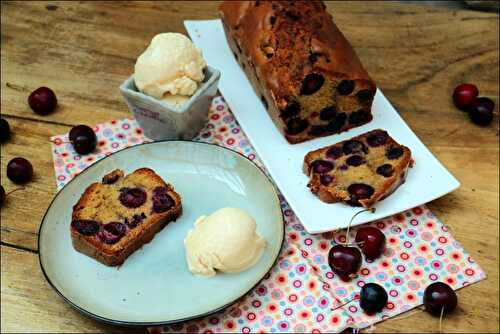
<point>359,171</point>
<point>115,217</point>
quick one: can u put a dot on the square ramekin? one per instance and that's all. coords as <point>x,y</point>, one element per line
<point>162,121</point>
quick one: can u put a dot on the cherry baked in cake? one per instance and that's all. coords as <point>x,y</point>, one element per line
<point>115,217</point>
<point>359,171</point>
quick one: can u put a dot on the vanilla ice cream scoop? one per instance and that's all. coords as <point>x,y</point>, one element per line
<point>171,66</point>
<point>226,241</point>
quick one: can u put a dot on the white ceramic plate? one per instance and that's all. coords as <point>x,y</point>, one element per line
<point>426,181</point>
<point>154,285</point>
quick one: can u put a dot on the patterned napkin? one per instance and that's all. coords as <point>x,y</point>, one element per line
<point>301,293</point>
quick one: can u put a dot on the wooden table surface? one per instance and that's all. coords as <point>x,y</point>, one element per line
<point>84,50</point>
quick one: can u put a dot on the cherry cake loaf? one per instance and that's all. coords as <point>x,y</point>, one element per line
<point>308,76</point>
<point>116,217</point>
<point>359,171</point>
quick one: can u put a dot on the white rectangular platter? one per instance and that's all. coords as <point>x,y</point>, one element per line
<point>426,181</point>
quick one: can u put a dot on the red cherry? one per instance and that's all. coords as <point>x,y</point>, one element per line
<point>439,297</point>
<point>344,261</point>
<point>83,139</point>
<point>481,111</point>
<point>464,95</point>
<point>372,241</point>
<point>19,170</point>
<point>2,195</point>
<point>42,100</point>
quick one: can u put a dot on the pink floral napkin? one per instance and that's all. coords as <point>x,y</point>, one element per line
<point>301,293</point>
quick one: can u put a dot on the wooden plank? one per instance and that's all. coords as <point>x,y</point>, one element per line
<point>416,54</point>
<point>23,210</point>
<point>29,304</point>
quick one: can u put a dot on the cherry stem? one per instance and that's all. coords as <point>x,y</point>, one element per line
<point>10,192</point>
<point>372,210</point>
<point>16,87</point>
<point>342,305</point>
<point>441,320</point>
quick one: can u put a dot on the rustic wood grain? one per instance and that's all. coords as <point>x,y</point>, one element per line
<point>85,50</point>
<point>29,304</point>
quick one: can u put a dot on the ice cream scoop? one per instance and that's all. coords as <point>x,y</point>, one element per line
<point>170,69</point>
<point>224,241</point>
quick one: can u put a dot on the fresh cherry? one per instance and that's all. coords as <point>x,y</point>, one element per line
<point>481,111</point>
<point>371,241</point>
<point>464,95</point>
<point>4,130</point>
<point>344,261</point>
<point>439,297</point>
<point>19,170</point>
<point>2,195</point>
<point>83,139</point>
<point>42,100</point>
<point>372,298</point>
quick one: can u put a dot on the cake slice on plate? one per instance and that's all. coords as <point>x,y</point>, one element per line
<point>359,171</point>
<point>114,218</point>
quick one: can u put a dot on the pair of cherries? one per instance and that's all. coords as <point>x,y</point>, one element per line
<point>480,109</point>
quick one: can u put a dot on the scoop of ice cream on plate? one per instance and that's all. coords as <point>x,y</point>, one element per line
<point>170,69</point>
<point>225,241</point>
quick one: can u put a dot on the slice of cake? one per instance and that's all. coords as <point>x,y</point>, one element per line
<point>114,218</point>
<point>359,171</point>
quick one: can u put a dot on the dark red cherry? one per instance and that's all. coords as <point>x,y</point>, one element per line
<point>132,197</point>
<point>162,201</point>
<point>481,111</point>
<point>464,95</point>
<point>344,261</point>
<point>334,152</point>
<point>325,179</point>
<point>364,95</point>
<point>377,139</point>
<point>337,123</point>
<point>312,83</point>
<point>2,195</point>
<point>394,153</point>
<point>385,170</point>
<point>359,191</point>
<point>296,126</point>
<point>355,160</point>
<point>291,109</point>
<point>353,146</point>
<point>83,139</point>
<point>328,113</point>
<point>322,166</point>
<point>42,100</point>
<point>439,296</point>
<point>317,130</point>
<point>372,298</point>
<point>345,87</point>
<point>86,226</point>
<point>112,232</point>
<point>372,241</point>
<point>19,170</point>
<point>4,130</point>
<point>360,117</point>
